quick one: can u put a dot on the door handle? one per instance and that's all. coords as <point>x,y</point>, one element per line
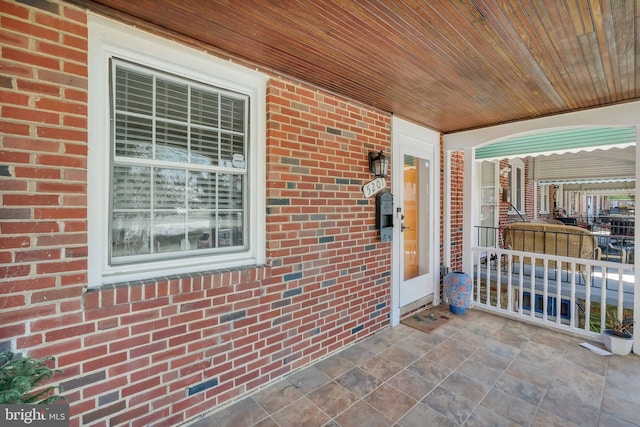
<point>403,227</point>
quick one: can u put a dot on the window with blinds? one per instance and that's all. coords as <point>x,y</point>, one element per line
<point>516,185</point>
<point>179,167</point>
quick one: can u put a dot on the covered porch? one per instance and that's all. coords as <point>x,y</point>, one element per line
<point>478,369</point>
<point>587,286</point>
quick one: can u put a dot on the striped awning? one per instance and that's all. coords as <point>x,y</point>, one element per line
<point>570,140</point>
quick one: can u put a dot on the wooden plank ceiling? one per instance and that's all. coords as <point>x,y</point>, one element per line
<point>450,65</point>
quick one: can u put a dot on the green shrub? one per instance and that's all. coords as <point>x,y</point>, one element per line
<point>19,376</point>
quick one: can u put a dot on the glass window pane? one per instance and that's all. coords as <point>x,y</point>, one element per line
<point>134,137</point>
<point>131,187</point>
<point>230,145</point>
<point>171,100</point>
<point>169,232</point>
<point>230,191</point>
<point>202,190</point>
<point>230,229</point>
<point>202,229</point>
<point>134,91</point>
<point>169,187</point>
<point>204,108</point>
<point>204,146</point>
<point>171,142</point>
<point>130,234</point>
<point>232,114</point>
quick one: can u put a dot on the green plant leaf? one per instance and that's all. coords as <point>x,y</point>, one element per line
<point>20,376</point>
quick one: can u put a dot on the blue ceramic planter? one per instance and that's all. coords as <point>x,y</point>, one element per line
<point>458,288</point>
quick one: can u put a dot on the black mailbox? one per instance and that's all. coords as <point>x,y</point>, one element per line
<point>384,215</point>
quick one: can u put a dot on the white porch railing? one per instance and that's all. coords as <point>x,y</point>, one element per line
<point>573,295</point>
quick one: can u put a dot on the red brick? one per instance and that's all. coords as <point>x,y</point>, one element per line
<point>14,157</point>
<point>20,315</point>
<point>70,332</point>
<point>56,294</point>
<point>61,106</point>
<point>127,366</point>
<point>57,349</point>
<point>62,52</point>
<point>60,24</point>
<point>59,187</point>
<point>76,95</point>
<point>150,349</point>
<point>73,279</point>
<point>39,88</point>
<point>74,121</point>
<point>14,185</point>
<point>74,14</point>
<point>25,57</point>
<point>27,285</point>
<point>14,243</point>
<point>59,213</point>
<point>76,252</point>
<point>29,227</point>
<point>45,324</point>
<point>6,257</point>
<point>110,359</point>
<point>82,355</point>
<point>65,80</point>
<point>170,332</point>
<point>117,344</point>
<point>171,353</point>
<point>30,200</point>
<point>10,331</point>
<point>103,387</point>
<point>149,371</point>
<point>31,340</point>
<point>39,172</point>
<point>15,9</point>
<point>107,311</point>
<point>61,267</point>
<point>148,395</point>
<point>140,386</point>
<point>14,98</point>
<point>37,255</point>
<point>28,28</point>
<point>61,239</point>
<point>79,70</point>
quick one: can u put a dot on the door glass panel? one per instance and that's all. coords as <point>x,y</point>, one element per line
<point>416,232</point>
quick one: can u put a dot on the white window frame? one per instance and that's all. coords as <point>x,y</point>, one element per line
<point>517,166</point>
<point>543,194</point>
<point>109,39</point>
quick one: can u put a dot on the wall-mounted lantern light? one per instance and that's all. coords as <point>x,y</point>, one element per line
<point>505,171</point>
<point>378,164</point>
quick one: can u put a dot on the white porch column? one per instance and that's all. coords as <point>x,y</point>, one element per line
<point>470,196</point>
<point>636,243</point>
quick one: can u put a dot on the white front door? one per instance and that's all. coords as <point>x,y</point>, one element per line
<point>416,235</point>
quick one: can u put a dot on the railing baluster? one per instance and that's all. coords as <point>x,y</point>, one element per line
<point>545,288</point>
<point>572,322</point>
<point>587,307</point>
<point>620,294</point>
<point>520,287</point>
<point>558,306</point>
<point>603,301</point>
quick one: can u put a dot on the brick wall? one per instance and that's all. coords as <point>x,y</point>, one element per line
<point>457,212</point>
<point>166,350</point>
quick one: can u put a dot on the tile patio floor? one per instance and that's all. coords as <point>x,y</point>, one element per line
<point>477,370</point>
